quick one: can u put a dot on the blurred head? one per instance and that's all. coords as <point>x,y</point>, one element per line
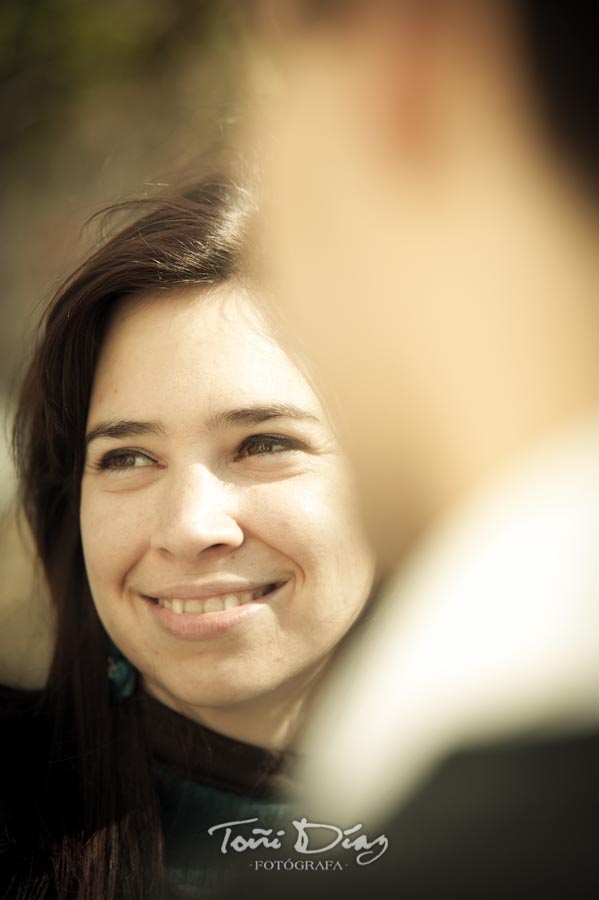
<point>428,229</point>
<point>181,475</point>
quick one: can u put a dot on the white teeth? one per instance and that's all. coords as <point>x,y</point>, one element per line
<point>213,604</point>
<point>194,606</point>
<point>217,603</point>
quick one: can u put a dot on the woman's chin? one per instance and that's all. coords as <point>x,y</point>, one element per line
<point>198,697</point>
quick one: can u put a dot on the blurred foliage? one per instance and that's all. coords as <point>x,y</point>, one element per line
<point>54,52</point>
<point>100,100</point>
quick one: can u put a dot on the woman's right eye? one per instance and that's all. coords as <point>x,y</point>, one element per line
<point>124,459</point>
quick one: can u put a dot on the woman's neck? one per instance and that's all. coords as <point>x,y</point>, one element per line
<point>272,720</point>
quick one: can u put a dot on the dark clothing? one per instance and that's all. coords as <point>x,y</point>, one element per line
<point>202,779</point>
<point>191,751</point>
<point>512,821</point>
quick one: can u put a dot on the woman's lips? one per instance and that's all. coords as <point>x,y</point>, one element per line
<point>194,619</point>
<point>216,602</point>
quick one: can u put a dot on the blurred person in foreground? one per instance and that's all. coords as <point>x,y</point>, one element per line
<point>431,231</point>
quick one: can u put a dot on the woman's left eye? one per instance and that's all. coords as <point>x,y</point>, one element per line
<point>262,444</point>
<point>118,460</point>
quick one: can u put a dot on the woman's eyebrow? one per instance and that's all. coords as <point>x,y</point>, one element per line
<point>123,428</point>
<point>247,415</point>
<point>254,415</point>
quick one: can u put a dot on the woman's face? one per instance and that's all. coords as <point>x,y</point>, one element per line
<point>221,542</point>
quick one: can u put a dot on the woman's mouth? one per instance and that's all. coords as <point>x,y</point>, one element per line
<point>194,618</point>
<point>216,603</point>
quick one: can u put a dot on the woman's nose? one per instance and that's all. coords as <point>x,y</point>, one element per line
<point>196,512</point>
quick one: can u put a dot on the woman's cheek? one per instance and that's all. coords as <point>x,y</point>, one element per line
<point>115,536</point>
<point>322,516</point>
<point>290,517</point>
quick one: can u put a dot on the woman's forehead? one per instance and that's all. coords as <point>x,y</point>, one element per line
<point>194,349</point>
<point>135,315</point>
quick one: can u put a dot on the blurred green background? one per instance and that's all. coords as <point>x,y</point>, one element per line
<point>98,99</point>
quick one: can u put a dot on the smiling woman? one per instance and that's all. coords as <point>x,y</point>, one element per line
<point>218,553</point>
<point>195,518</point>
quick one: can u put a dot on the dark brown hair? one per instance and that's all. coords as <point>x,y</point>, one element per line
<point>91,829</point>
